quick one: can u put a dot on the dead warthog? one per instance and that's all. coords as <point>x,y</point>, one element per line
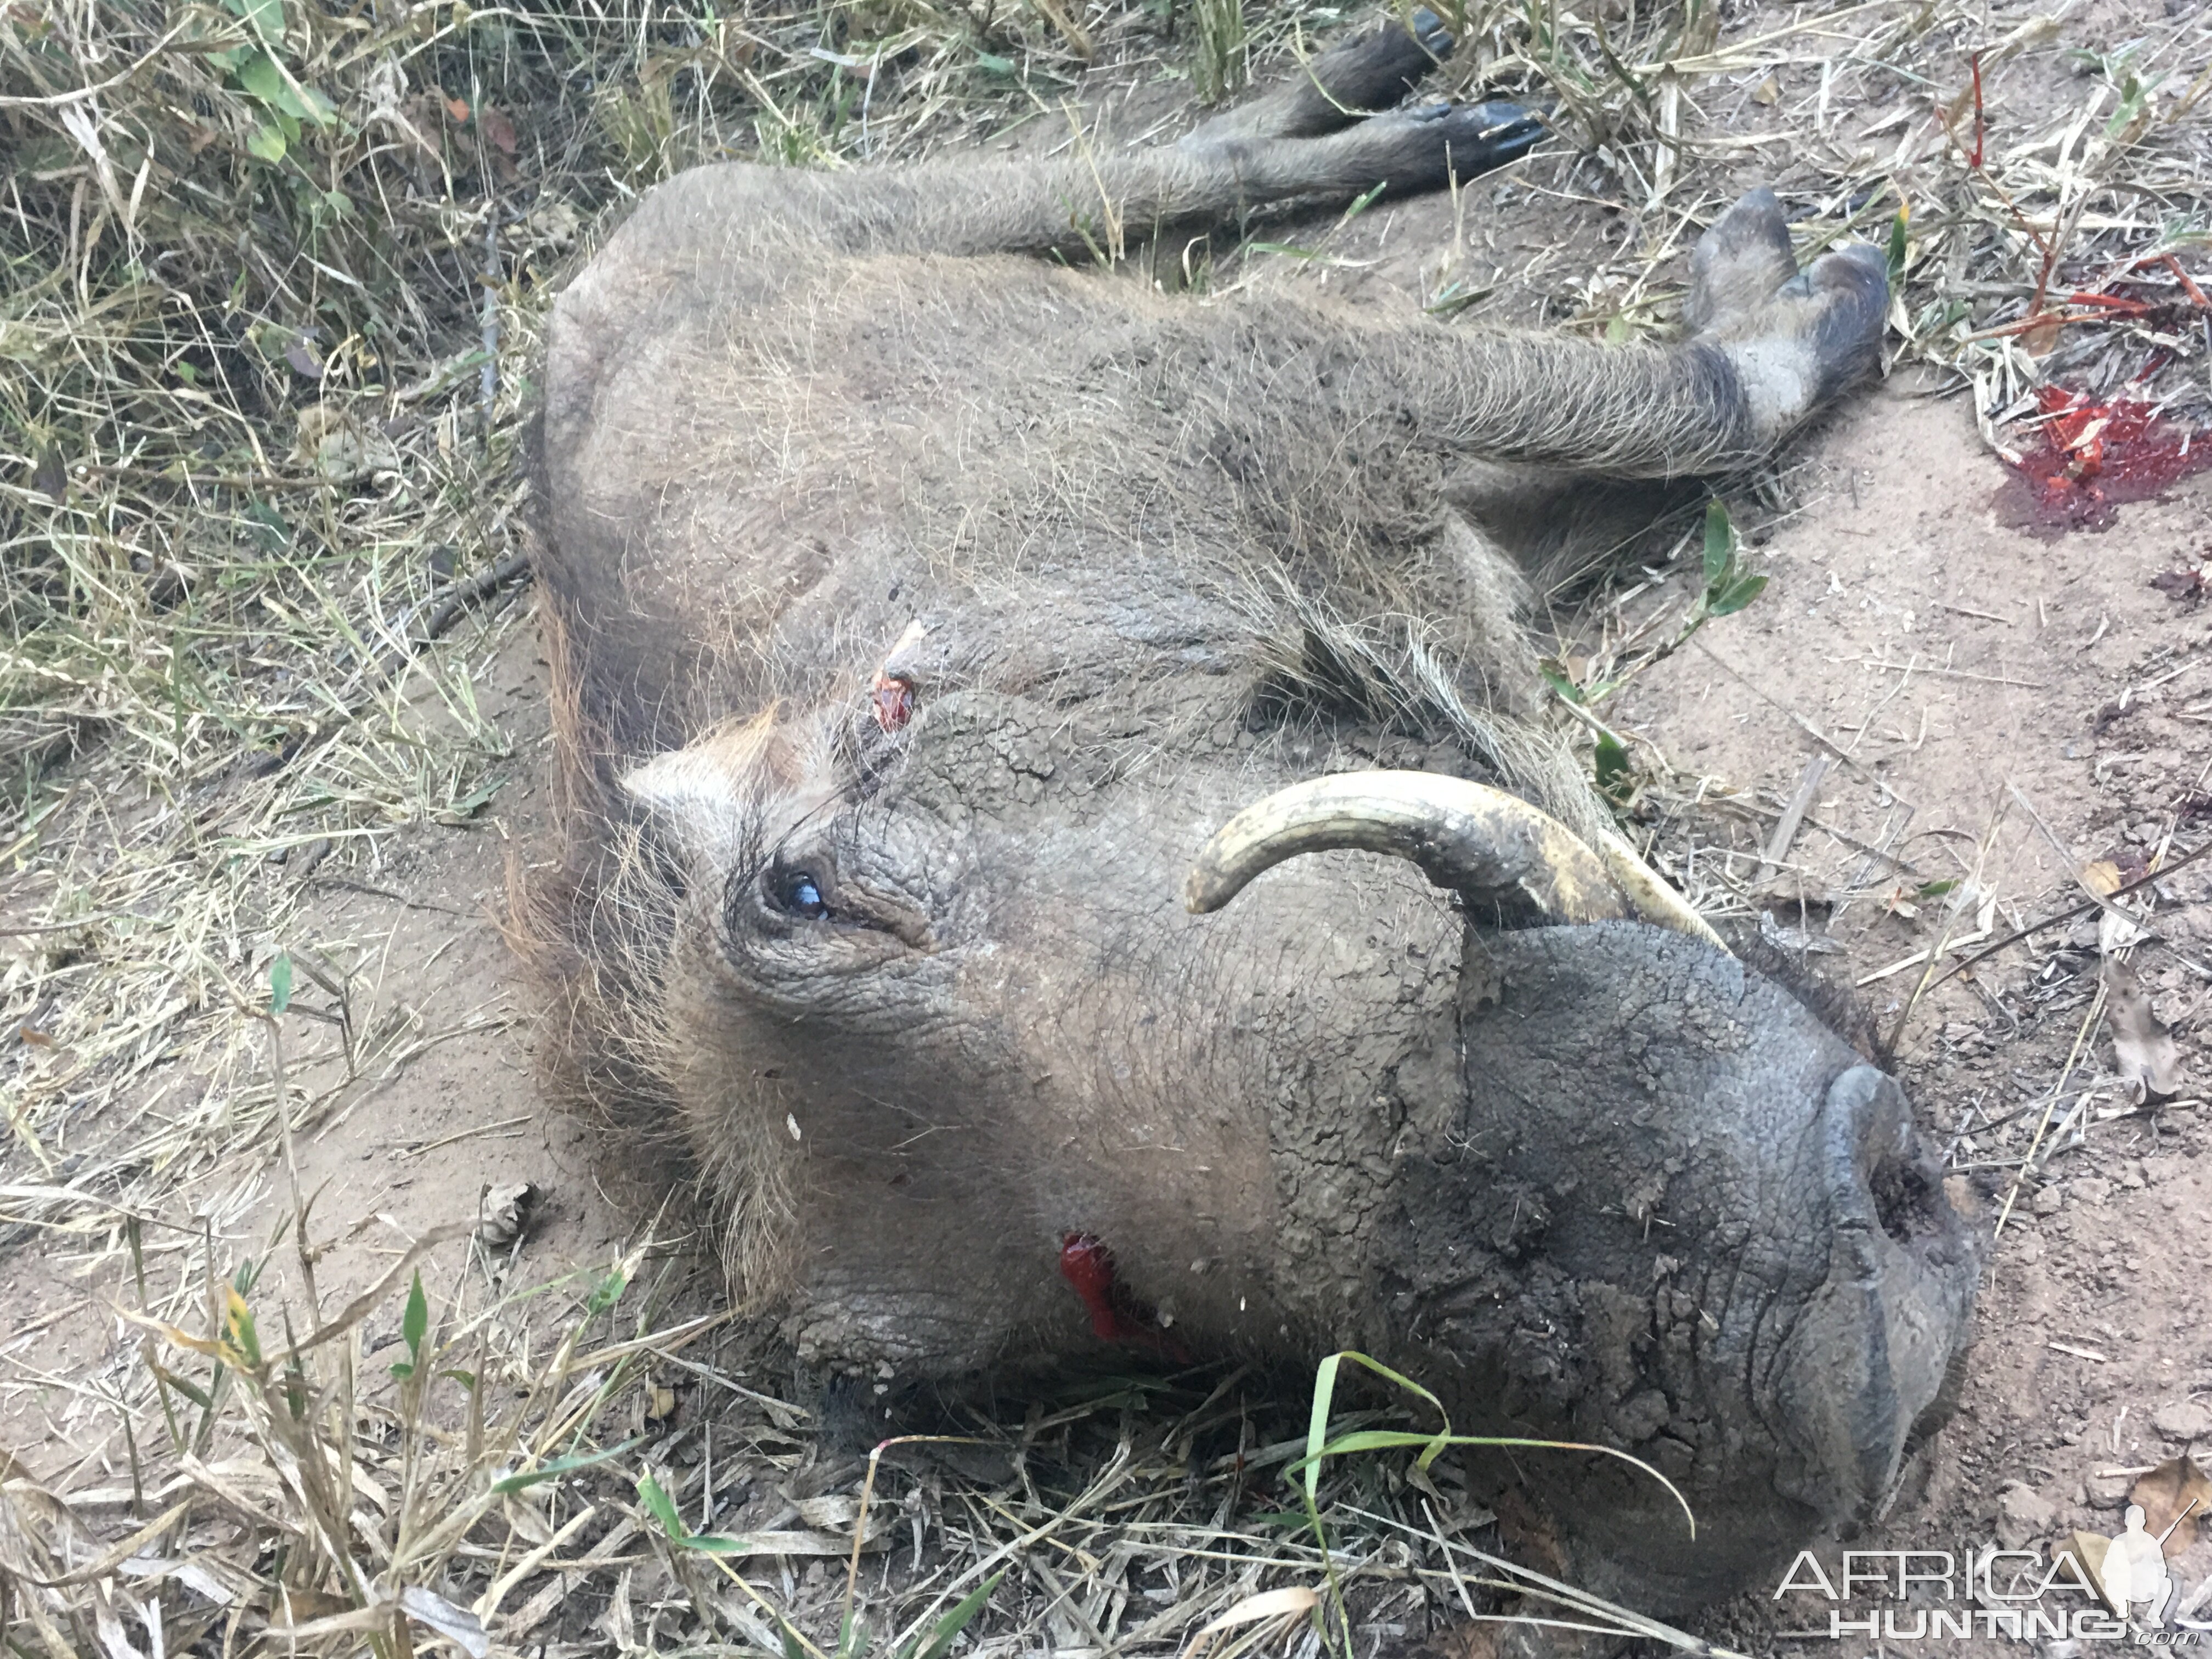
<point>927,613</point>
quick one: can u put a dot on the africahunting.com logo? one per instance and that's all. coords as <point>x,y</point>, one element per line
<point>2091,1589</point>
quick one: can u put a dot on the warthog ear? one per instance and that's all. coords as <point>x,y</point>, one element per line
<point>744,784</point>
<point>710,792</point>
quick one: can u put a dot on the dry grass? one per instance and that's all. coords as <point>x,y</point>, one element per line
<point>274,272</point>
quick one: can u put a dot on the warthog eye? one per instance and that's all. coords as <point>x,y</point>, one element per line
<point>796,893</point>
<point>815,905</point>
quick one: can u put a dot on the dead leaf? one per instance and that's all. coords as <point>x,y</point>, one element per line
<point>50,476</point>
<point>618,1621</point>
<point>831,1512</point>
<point>296,1606</point>
<point>504,1216</point>
<point>1293,1601</point>
<point>2190,587</point>
<point>552,224</point>
<point>809,1542</point>
<point>2142,1048</point>
<point>341,447</point>
<point>2088,1549</point>
<point>417,118</point>
<point>2104,877</point>
<point>458,110</point>
<point>304,361</point>
<point>497,128</point>
<point>457,1626</point>
<point>2176,1490</point>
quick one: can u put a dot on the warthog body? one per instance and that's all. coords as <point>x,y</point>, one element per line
<point>920,606</point>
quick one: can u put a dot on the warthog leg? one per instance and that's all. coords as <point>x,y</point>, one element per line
<point>1559,498</point>
<point>1078,208</point>
<point>1773,346</point>
<point>1350,85</point>
<point>1368,72</point>
<point>1318,137</point>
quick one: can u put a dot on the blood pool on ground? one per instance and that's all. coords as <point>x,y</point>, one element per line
<point>2090,457</point>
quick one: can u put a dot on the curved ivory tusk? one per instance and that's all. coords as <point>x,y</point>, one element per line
<point>1466,837</point>
<point>1651,897</point>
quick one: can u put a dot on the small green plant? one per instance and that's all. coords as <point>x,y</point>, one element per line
<point>1728,589</point>
<point>1306,1470</point>
<point>1318,253</point>
<point>259,70</point>
<point>414,1326</point>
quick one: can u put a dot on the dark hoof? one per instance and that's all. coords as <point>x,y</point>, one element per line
<point>1375,71</point>
<point>1796,339</point>
<point>1853,285</point>
<point>1433,37</point>
<point>1477,137</point>
<point>1367,72</point>
<point>1741,261</point>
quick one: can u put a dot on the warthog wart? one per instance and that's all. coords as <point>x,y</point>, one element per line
<point>944,630</point>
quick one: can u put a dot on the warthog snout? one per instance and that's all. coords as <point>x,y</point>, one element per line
<point>1873,1360</point>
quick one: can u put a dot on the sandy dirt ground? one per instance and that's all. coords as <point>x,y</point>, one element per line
<point>2005,711</point>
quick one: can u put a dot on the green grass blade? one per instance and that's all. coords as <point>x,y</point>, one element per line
<point>1318,1423</point>
<point>561,1466</point>
<point>1364,1440</point>
<point>957,1620</point>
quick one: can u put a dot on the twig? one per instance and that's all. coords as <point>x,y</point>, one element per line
<point>456,597</point>
<point>2072,1058</point>
<point>64,926</point>
<point>1793,815</point>
<point>2103,900</point>
<point>2072,911</point>
<point>1943,937</point>
<point>264,481</point>
<point>467,1134</point>
<point>273,1017</point>
<point>78,94</point>
<point>488,376</point>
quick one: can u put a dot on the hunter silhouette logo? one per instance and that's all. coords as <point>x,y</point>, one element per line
<point>2091,1588</point>
<point>2133,1572</point>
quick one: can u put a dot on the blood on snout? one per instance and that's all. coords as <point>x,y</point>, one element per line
<point>1088,1264</point>
<point>1115,1315</point>
<point>892,698</point>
